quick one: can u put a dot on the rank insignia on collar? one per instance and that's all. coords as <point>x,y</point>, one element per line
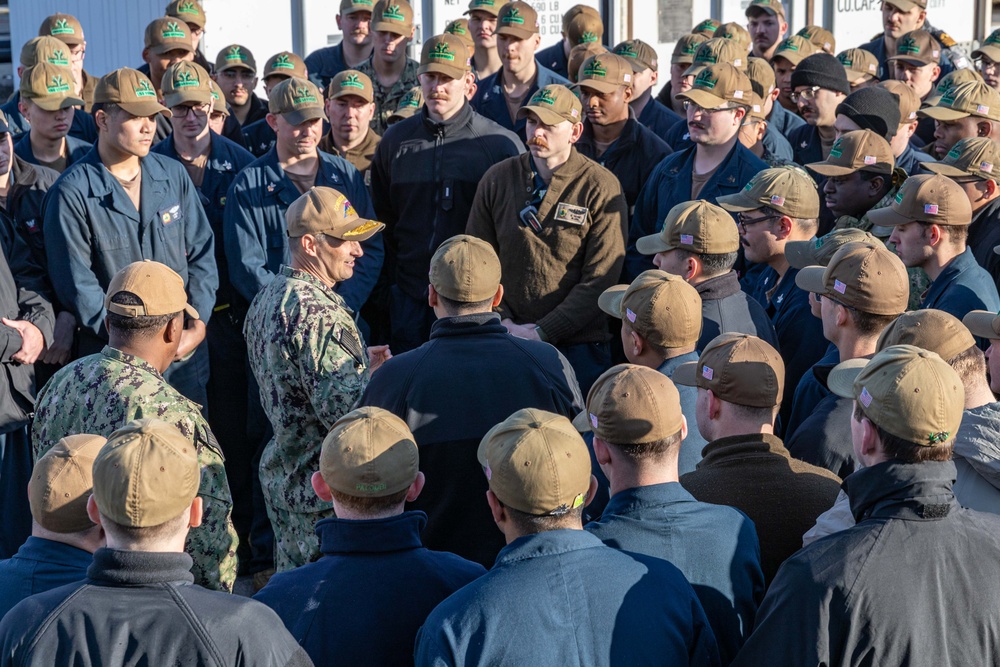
<point>270,187</point>
<point>227,165</point>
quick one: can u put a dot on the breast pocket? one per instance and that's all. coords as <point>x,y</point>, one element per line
<point>113,250</point>
<point>277,251</point>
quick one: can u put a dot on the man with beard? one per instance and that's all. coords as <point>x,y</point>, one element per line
<point>898,18</point>
<point>354,21</point>
<point>767,26</point>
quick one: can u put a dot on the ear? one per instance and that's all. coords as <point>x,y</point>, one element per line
<point>738,117</point>
<point>785,226</point>
<point>841,315</point>
<point>496,509</point>
<point>416,487</point>
<point>934,235</point>
<point>172,332</point>
<point>591,492</point>
<point>320,486</point>
<point>92,512</point>
<point>638,343</point>
<point>761,130</point>
<point>684,427</point>
<point>537,39</point>
<point>272,121</point>
<point>876,184</point>
<point>145,55</point>
<point>432,296</point>
<point>308,244</point>
<point>871,444</point>
<point>197,512</point>
<point>628,94</point>
<point>774,93</point>
<point>328,108</point>
<point>692,268</point>
<point>498,297</point>
<point>992,189</point>
<point>601,451</point>
<point>983,128</point>
<point>655,77</point>
<point>22,107</point>
<point>714,405</point>
<point>577,133</point>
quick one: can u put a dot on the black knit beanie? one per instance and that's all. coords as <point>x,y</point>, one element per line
<point>823,70</point>
<point>874,109</point>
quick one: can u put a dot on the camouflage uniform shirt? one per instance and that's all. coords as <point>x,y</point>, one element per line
<point>101,393</point>
<point>387,99</point>
<point>311,365</point>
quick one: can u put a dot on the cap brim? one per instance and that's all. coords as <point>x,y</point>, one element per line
<point>598,85</point>
<point>854,75</point>
<point>652,244</point>
<point>686,374</point>
<point>362,230</point>
<point>739,202</point>
<point>176,99</point>
<point>55,103</point>
<point>799,254</point>
<point>980,323</point>
<point>826,169</point>
<point>942,113</point>
<point>299,116</point>
<point>887,217</point>
<point>352,93</point>
<point>766,10</point>
<point>694,70</point>
<point>582,422</point>
<point>447,70</point>
<point>190,310</point>
<point>354,10</point>
<point>520,33</point>
<point>235,66</point>
<point>492,12</point>
<point>810,279</point>
<point>160,49</point>
<point>394,28</point>
<point>547,116</point>
<point>945,169</point>
<point>911,61</point>
<point>610,300</point>
<point>702,98</point>
<point>794,57</point>
<point>841,378</point>
<point>990,51</point>
<point>637,67</point>
<point>144,109</point>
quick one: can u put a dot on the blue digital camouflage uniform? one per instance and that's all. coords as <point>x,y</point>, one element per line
<point>101,393</point>
<point>311,366</point>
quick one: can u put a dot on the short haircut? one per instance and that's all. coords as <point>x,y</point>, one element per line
<point>870,324</point>
<point>530,524</point>
<point>465,307</point>
<point>648,451</point>
<point>810,225</point>
<point>138,538</point>
<point>135,328</point>
<point>657,349</point>
<point>366,505</point>
<point>957,234</point>
<point>110,108</point>
<point>754,414</point>
<point>898,449</point>
<point>970,365</point>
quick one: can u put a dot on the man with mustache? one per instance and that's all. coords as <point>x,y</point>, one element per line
<point>392,73</point>
<point>966,111</point>
<point>767,26</point>
<point>355,47</point>
<point>819,84</point>
<point>898,18</point>
<point>236,74</point>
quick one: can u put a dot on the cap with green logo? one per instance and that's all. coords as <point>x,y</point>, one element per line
<point>686,48</point>
<point>761,76</point>
<point>460,28</point>
<point>189,11</point>
<point>735,32</point>
<point>866,276</point>
<point>858,64</point>
<point>706,28</point>
<point>285,64</point>
<point>219,104</point>
<point>45,50</point>
<point>906,391</point>
<point>488,6</point>
<point>411,103</point>
<point>578,55</point>
<point>929,329</point>
<point>348,7</point>
<point>445,54</point>
<point>298,100</point>
<point>553,104</point>
<point>605,73</point>
<point>738,368</point>
<point>584,28</point>
<point>820,37</point>
<point>369,453</point>
<point>536,462</point>
<point>795,49</point>
<point>909,103</point>
<point>972,98</point>
<point>131,90</point>
<point>323,210</point>
<point>990,47</point>
<point>517,19</point>
<point>575,11</point>
<point>661,307</point>
<point>697,226</point>
<point>235,56</point>
<point>395,16</point>
<point>351,82</point>
<point>929,198</point>
<point>63,27</point>
<point>640,55</point>
<point>717,51</point>
<point>772,7</point>
<point>819,251</point>
<point>788,191</point>
<point>946,82</point>
<point>917,47</point>
<point>186,83</point>
<point>719,84</point>
<point>465,269</point>
<point>859,150</point>
<point>49,87</point>
<point>630,405</point>
<point>168,34</point>
<point>975,156</point>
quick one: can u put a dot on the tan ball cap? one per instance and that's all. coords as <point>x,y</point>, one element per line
<point>631,405</point>
<point>553,104</point>
<point>795,49</point>
<point>168,34</point>
<point>45,50</point>
<point>62,481</point>
<point>918,48</point>
<point>517,19</point>
<point>819,251</point>
<point>929,329</point>
<point>578,55</point>
<point>706,28</point>
<point>235,56</point>
<point>736,33</point>
<point>858,63</point>
<point>159,288</point>
<point>761,76</point>
<point>585,28</point>
<point>819,37</point>
<point>445,54</point>
<point>983,323</point>
<point>661,307</point>
<point>285,64</point>
<point>974,156</point>
<point>697,226</point>
<point>772,7</point>
<point>189,11</point>
<point>907,391</point>
<point>146,474</point>
<point>323,210</point>
<point>990,47</point>
<point>865,276</point>
<point>716,52</point>
<point>537,463</point>
<point>738,368</point>
<point>929,198</point>
<point>348,7</point>
<point>489,6</point>
<point>131,90</point>
<point>465,269</point>
<point>860,150</point>
<point>63,27</point>
<point>460,28</point>
<point>49,87</point>
<point>605,73</point>
<point>351,82</point>
<point>948,81</point>
<point>719,84</point>
<point>972,98</point>
<point>298,100</point>
<point>686,48</point>
<point>369,453</point>
<point>909,103</point>
<point>186,82</point>
<point>411,103</point>
<point>395,16</point>
<point>788,191</point>
<point>640,55</point>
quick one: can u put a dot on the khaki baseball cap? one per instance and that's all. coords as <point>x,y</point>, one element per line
<point>580,53</point>
<point>131,90</point>
<point>982,323</point>
<point>369,453</point>
<point>738,368</point>
<point>553,104</point>
<point>966,99</point>
<point>756,107</point>
<point>536,463</point>
<point>460,28</point>
<point>605,73</point>
<point>858,64</point>
<point>168,34</point>
<point>351,82</point>
<point>235,56</point>
<point>661,307</point>
<point>990,47</point>
<point>186,82</point>
<point>63,27</point>
<point>49,87</point>
<point>395,16</point>
<point>946,82</point>
<point>736,33</point>
<point>61,483</point>
<point>351,6</point>
<point>323,210</point>
<point>585,28</point>
<point>795,49</point>
<point>819,251</point>
<point>929,198</point>
<point>865,276</point>
<point>860,150</point>
<point>45,50</point>
<point>706,28</point>
<point>909,103</point>
<point>298,100</point>
<point>517,19</point>
<point>975,156</point>
<point>772,7</point>
<point>285,64</point>
<point>907,5</point>
<point>907,391</point>
<point>917,47</point>
<point>719,84</point>
<point>715,52</point>
<point>411,103</point>
<point>929,329</point>
<point>790,192</point>
<point>189,11</point>
<point>575,11</point>
<point>686,48</point>
<point>761,76</point>
<point>631,405</point>
<point>820,37</point>
<point>219,104</point>
<point>640,55</point>
<point>697,226</point>
<point>445,54</point>
<point>465,269</point>
<point>489,6</point>
<point>159,288</point>
<point>146,474</point>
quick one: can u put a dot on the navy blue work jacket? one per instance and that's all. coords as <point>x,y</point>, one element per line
<point>489,100</point>
<point>76,149</point>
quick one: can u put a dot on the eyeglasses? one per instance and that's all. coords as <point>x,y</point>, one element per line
<point>985,64</point>
<point>743,221</point>
<point>835,302</point>
<point>689,105</point>
<point>78,51</point>
<point>809,94</point>
<point>181,111</point>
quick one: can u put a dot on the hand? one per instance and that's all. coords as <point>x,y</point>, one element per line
<point>191,337</point>
<point>509,324</point>
<point>529,331</point>
<point>62,340</point>
<point>32,341</point>
<point>377,355</point>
